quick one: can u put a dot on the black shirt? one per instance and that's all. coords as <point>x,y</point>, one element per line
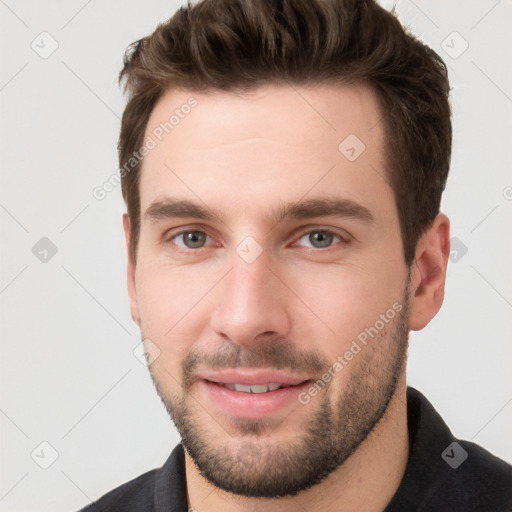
<point>442,474</point>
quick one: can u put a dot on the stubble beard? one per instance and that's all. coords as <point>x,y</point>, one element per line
<point>252,464</point>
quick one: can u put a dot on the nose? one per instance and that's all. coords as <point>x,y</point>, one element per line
<point>251,304</point>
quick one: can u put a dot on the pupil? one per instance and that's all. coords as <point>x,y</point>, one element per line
<point>320,239</point>
<point>194,239</point>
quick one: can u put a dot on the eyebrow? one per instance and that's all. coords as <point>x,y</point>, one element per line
<point>345,208</point>
<point>170,208</point>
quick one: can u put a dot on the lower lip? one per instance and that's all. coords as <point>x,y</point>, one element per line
<point>253,405</point>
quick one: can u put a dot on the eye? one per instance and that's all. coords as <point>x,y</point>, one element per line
<point>191,239</point>
<point>319,239</point>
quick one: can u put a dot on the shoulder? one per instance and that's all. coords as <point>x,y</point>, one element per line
<point>444,473</point>
<point>164,488</point>
<point>133,496</point>
<point>481,482</point>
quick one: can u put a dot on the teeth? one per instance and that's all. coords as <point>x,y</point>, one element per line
<point>241,387</point>
<point>259,388</point>
<point>255,388</point>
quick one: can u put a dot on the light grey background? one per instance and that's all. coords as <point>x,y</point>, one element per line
<point>69,375</point>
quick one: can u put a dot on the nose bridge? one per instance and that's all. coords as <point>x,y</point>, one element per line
<point>250,302</point>
<point>251,280</point>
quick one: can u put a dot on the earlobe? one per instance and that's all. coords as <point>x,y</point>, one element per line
<point>132,290</point>
<point>428,273</point>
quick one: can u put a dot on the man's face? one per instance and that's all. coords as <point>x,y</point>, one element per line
<point>270,253</point>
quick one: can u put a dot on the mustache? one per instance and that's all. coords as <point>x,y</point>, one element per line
<point>270,354</point>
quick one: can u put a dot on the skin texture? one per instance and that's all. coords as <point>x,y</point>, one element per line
<point>294,298</point>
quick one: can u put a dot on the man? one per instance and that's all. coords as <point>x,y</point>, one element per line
<point>283,164</point>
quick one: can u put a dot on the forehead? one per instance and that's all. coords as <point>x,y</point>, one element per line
<point>276,143</point>
<point>222,117</point>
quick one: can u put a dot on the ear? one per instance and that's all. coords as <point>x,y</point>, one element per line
<point>428,273</point>
<point>132,290</point>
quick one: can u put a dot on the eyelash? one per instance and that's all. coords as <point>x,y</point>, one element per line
<point>342,239</point>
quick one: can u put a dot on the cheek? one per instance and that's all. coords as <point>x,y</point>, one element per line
<point>167,311</point>
<point>170,302</point>
<point>338,303</point>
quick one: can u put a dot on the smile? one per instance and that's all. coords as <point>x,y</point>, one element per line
<point>254,388</point>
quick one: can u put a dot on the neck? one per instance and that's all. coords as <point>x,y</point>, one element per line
<point>367,480</point>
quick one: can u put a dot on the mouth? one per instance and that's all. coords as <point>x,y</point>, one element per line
<point>255,388</point>
<point>253,395</point>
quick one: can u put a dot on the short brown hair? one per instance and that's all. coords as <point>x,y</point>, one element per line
<point>239,45</point>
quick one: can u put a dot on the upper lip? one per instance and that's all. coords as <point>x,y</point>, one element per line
<point>254,377</point>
